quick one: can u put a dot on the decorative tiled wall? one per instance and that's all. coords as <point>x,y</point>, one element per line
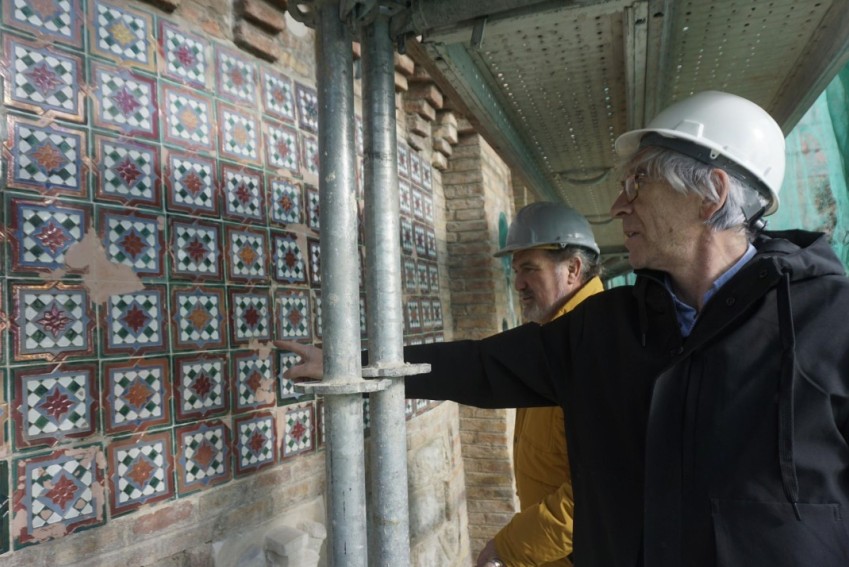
<point>161,223</point>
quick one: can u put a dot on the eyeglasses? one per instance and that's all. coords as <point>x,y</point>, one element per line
<point>631,185</point>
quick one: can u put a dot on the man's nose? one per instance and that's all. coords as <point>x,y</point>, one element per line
<point>620,206</point>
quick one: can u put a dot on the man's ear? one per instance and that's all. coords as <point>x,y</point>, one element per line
<point>722,184</point>
<point>574,266</point>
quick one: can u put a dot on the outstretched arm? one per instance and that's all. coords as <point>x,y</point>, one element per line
<point>311,366</point>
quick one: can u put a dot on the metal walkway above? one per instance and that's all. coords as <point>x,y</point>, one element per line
<point>552,84</point>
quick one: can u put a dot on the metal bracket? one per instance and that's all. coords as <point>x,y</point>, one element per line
<point>395,370</point>
<point>357,386</point>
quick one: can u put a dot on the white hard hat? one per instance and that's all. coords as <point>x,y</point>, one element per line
<point>548,225</point>
<point>719,129</point>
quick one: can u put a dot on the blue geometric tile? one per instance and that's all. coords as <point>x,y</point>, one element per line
<point>426,313</point>
<point>42,233</point>
<point>196,249</point>
<point>433,274</point>
<point>122,34</point>
<point>307,107</point>
<point>427,176</point>
<point>405,197</point>
<point>134,240</point>
<point>413,317</point>
<point>250,313</point>
<point>292,309</point>
<point>134,322</point>
<point>42,79</point>
<point>407,242</point>
<point>199,322</point>
<point>420,239</point>
<point>415,168</point>
<point>54,404</point>
<point>128,172</point>
<point>243,193</point>
<point>309,145</point>
<point>253,381</point>
<point>51,321</point>
<point>288,260</point>
<point>236,78</point>
<point>430,243</point>
<point>403,160</point>
<point>136,395</point>
<point>436,306</point>
<point>238,135</point>
<point>287,393</point>
<point>247,255</point>
<point>125,102</point>
<point>185,56</point>
<point>299,430</point>
<point>256,442</point>
<point>141,470</point>
<point>57,493</point>
<point>50,20</point>
<point>188,119</point>
<point>317,315</point>
<point>201,389</point>
<point>285,201</point>
<point>427,204</point>
<point>203,456</point>
<point>314,254</point>
<point>422,276</point>
<point>47,159</point>
<point>282,148</point>
<point>192,183</point>
<point>277,98</point>
<point>418,203</point>
<point>410,273</point>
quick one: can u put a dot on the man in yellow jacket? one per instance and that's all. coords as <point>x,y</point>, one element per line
<point>556,266</point>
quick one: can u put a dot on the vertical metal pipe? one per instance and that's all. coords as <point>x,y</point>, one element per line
<point>340,287</point>
<point>389,539</point>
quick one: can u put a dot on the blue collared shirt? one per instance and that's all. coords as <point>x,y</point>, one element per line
<point>687,314</point>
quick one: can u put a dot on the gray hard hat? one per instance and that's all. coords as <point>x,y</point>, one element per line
<point>548,225</point>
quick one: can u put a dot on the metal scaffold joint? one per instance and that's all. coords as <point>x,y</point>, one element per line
<point>395,371</point>
<point>355,386</point>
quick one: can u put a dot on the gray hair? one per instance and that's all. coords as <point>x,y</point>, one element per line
<point>690,176</point>
<point>590,261</point>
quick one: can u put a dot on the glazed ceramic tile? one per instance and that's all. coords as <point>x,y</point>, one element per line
<point>318,321</point>
<point>417,204</point>
<point>421,405</point>
<point>287,392</point>
<point>51,321</point>
<point>255,443</point>
<point>136,395</point>
<point>200,387</point>
<point>285,204</point>
<point>307,107</point>
<point>314,254</point>
<point>134,322</point>
<point>403,160</point>
<point>426,314</point>
<point>282,148</point>
<point>309,146</point>
<point>405,197</point>
<point>299,430</point>
<point>253,381</point>
<point>236,77</point>
<point>196,249</point>
<point>288,260</point>
<point>433,275</point>
<point>203,456</point>
<point>247,255</point>
<point>415,168</point>
<point>277,96</point>
<point>57,493</point>
<point>422,276</point>
<point>50,20</point>
<point>292,311</point>
<point>128,172</point>
<point>47,159</point>
<point>420,239</point>
<point>200,321</point>
<point>41,79</point>
<point>141,470</point>
<point>42,232</point>
<point>366,415</point>
<point>184,56</point>
<point>436,304</point>
<point>243,193</point>
<point>414,320</point>
<point>238,135</point>
<point>320,416</point>
<point>363,318</point>
<point>125,102</point>
<point>121,34</point>
<point>54,404</point>
<point>250,315</point>
<point>427,205</point>
<point>410,272</point>
<point>132,239</point>
<point>430,243</point>
<point>427,176</point>
<point>188,119</point>
<point>407,242</point>
<point>313,208</point>
<point>192,183</point>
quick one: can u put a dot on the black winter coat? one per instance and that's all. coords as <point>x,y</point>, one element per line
<point>726,448</point>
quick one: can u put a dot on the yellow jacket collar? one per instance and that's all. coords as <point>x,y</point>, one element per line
<point>592,287</point>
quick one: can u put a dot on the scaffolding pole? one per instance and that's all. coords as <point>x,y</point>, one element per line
<point>389,539</point>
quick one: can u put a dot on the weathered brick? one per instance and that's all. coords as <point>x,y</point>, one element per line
<point>428,92</point>
<point>165,5</point>
<point>164,518</point>
<point>400,83</point>
<point>439,161</point>
<point>418,125</point>
<point>417,141</point>
<point>421,107</point>
<point>251,38</point>
<point>442,146</point>
<point>264,15</point>
<point>404,64</point>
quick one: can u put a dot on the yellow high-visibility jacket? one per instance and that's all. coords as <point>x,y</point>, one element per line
<point>541,534</point>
